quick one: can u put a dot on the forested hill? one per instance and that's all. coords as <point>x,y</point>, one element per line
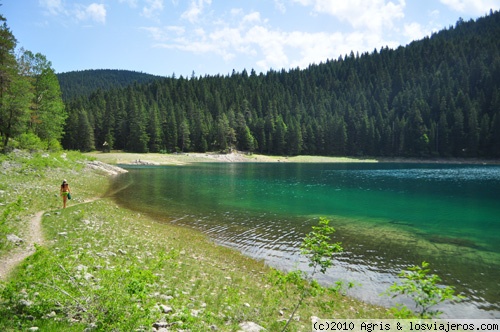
<point>439,97</point>
<point>85,82</point>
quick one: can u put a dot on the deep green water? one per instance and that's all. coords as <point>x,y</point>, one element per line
<point>388,216</point>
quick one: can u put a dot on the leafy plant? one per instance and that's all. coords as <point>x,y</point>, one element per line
<point>319,250</point>
<point>423,288</point>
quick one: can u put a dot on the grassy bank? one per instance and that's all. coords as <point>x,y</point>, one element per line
<point>105,268</point>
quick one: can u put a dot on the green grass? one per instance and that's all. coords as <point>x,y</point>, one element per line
<point>105,268</point>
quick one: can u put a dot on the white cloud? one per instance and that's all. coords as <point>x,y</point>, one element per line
<point>252,17</point>
<point>414,31</point>
<point>53,7</point>
<point>152,9</point>
<point>280,6</point>
<point>476,7</point>
<point>247,34</point>
<point>95,12</point>
<point>195,10</point>
<point>360,14</point>
<point>269,48</point>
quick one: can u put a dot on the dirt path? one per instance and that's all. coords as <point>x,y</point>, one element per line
<point>27,248</point>
<point>35,235</point>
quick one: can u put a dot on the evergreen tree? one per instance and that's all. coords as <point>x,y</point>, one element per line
<point>138,138</point>
<point>154,130</point>
<point>85,135</point>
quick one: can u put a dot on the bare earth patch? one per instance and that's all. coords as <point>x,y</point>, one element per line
<point>35,235</point>
<point>117,157</point>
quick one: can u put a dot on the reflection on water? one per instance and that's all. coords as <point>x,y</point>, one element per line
<point>386,216</point>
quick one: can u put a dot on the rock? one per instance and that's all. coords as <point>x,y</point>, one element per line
<point>109,169</point>
<point>25,303</point>
<point>14,239</point>
<point>143,162</point>
<point>122,252</point>
<point>159,325</point>
<point>88,276</point>
<point>166,297</point>
<point>52,314</point>
<point>251,327</point>
<point>34,328</point>
<point>165,308</point>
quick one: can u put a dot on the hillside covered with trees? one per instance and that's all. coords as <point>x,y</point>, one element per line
<point>85,82</point>
<point>439,97</point>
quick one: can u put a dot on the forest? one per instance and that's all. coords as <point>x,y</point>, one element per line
<point>435,97</point>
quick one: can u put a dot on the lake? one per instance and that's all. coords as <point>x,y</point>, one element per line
<point>388,216</point>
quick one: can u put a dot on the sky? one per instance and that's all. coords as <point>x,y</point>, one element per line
<point>210,37</point>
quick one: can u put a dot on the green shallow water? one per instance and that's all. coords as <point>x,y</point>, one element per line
<point>388,216</point>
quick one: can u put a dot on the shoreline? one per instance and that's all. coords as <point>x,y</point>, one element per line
<point>158,159</point>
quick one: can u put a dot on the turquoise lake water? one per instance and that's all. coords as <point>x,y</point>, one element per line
<point>387,216</point>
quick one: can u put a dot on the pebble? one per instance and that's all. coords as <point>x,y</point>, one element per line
<point>251,327</point>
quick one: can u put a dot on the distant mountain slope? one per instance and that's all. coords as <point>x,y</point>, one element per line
<point>83,83</point>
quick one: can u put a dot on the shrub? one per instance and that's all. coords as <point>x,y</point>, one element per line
<point>423,289</point>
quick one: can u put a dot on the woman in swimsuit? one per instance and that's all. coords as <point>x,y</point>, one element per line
<point>65,192</point>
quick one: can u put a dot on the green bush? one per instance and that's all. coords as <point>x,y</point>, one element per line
<point>422,287</point>
<point>30,141</point>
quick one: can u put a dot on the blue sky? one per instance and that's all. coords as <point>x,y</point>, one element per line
<point>210,37</point>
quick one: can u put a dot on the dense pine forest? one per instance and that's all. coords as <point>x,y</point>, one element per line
<point>85,82</point>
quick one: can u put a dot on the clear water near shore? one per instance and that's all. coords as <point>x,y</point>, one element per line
<point>388,216</point>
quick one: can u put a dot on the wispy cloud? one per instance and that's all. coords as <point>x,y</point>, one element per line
<point>249,35</point>
<point>152,9</point>
<point>94,12</point>
<point>477,7</point>
<point>195,10</point>
<point>238,33</point>
<point>52,7</point>
<point>360,14</point>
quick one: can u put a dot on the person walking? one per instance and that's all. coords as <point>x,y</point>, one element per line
<point>65,192</point>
